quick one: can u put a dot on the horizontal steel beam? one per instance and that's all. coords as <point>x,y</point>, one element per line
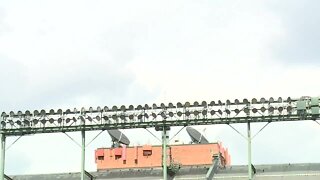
<point>272,110</point>
<point>162,106</point>
<point>151,124</point>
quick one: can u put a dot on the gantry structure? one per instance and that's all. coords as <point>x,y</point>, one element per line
<point>159,116</point>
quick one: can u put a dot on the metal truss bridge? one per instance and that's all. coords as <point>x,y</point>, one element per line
<point>161,117</point>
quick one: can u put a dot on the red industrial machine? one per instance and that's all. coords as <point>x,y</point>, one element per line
<point>200,152</point>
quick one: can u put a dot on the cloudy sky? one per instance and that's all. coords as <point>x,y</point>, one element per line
<point>65,54</point>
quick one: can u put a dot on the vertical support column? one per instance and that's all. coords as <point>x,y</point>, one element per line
<point>249,153</point>
<point>83,148</point>
<point>2,149</point>
<point>164,153</point>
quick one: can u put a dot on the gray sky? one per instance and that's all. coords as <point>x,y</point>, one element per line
<point>65,54</point>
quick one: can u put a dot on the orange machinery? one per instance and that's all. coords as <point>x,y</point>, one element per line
<point>147,156</point>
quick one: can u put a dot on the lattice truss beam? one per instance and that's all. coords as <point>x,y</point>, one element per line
<point>145,116</point>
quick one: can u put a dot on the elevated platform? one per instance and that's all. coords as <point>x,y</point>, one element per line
<point>264,172</point>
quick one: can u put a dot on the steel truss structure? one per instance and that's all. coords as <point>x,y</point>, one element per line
<point>161,117</point>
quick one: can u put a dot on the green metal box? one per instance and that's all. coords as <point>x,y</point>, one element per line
<point>314,101</point>
<point>315,110</point>
<point>301,105</point>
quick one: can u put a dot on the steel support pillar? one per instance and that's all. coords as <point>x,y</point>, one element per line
<point>164,153</point>
<point>2,149</point>
<point>249,153</point>
<point>83,149</point>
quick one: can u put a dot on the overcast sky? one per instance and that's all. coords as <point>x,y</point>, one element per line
<point>65,54</point>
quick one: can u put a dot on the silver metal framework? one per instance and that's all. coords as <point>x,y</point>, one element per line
<point>17,124</point>
<point>156,116</point>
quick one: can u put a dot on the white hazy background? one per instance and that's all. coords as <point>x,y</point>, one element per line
<point>66,54</point>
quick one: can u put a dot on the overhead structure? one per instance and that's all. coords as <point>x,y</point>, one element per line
<point>196,136</point>
<point>118,137</point>
<point>160,117</point>
<point>147,116</point>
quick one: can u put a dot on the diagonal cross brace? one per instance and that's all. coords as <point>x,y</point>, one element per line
<point>7,177</point>
<point>213,168</point>
<point>91,177</point>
